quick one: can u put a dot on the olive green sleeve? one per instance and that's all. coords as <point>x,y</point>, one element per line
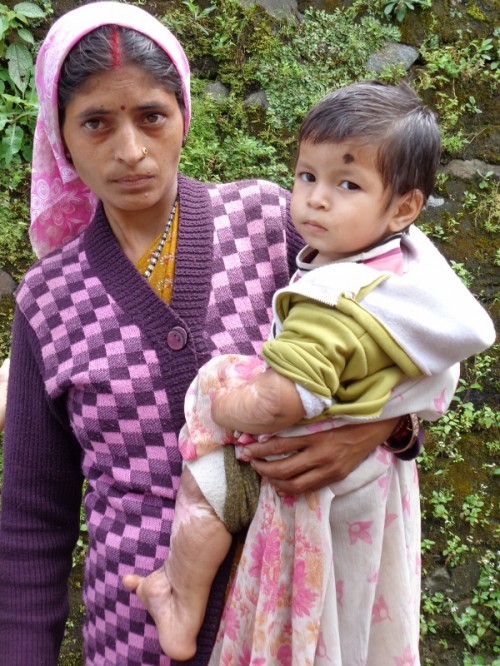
<point>330,353</point>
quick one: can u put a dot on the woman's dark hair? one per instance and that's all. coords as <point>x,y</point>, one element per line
<point>108,47</point>
<point>393,119</point>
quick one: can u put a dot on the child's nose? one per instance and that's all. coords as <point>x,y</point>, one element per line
<point>319,197</point>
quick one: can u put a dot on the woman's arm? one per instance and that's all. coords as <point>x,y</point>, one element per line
<point>319,459</point>
<point>39,525</point>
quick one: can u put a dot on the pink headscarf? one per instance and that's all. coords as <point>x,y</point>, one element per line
<point>61,205</point>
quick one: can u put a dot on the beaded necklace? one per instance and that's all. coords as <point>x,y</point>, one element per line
<point>156,254</point>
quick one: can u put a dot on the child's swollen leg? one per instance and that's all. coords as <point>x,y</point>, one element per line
<point>176,595</point>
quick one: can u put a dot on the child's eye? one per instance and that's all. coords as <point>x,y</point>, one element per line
<point>349,185</point>
<point>307,177</point>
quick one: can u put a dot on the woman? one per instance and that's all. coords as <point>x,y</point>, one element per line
<point>151,275</point>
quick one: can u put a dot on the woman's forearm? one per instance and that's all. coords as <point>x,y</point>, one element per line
<point>268,403</point>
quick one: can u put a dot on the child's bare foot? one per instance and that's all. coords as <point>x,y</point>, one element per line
<point>178,621</point>
<point>176,595</point>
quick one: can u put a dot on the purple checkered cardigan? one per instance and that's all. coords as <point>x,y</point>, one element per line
<point>96,391</point>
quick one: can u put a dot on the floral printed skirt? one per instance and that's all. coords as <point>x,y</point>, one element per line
<point>328,578</point>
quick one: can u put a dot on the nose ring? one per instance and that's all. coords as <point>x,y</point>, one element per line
<point>144,151</point>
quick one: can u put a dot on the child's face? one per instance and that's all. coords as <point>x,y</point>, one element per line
<point>339,204</point>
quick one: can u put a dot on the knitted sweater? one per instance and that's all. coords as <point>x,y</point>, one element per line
<point>99,369</point>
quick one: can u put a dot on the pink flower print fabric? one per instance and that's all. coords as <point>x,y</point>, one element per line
<point>327,578</point>
<point>274,610</point>
<point>201,434</point>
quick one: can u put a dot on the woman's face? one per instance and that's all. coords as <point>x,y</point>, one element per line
<point>123,133</point>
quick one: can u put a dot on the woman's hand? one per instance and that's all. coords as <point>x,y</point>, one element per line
<point>320,459</point>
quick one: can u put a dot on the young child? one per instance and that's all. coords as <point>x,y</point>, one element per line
<point>371,326</point>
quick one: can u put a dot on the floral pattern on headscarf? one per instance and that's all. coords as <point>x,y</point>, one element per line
<point>61,205</point>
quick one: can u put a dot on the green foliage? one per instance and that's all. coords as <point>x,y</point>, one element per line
<point>463,273</point>
<point>455,550</point>
<point>465,59</point>
<point>486,211</point>
<point>399,8</point>
<point>16,254</point>
<point>227,33</point>
<point>18,104</point>
<point>324,52</point>
<point>474,11</point>
<point>477,620</point>
<point>218,148</point>
<point>472,509</point>
<point>444,230</point>
<point>457,518</point>
<point>15,38</point>
<point>452,69</point>
<point>313,56</point>
<point>439,502</point>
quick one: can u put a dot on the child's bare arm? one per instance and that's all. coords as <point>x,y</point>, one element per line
<point>267,403</point>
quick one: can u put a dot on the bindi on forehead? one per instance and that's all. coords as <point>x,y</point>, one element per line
<point>123,107</point>
<point>348,158</point>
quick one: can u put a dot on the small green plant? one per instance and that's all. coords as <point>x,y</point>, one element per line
<point>485,180</point>
<point>432,604</point>
<point>472,509</point>
<point>471,105</point>
<point>198,14</point>
<point>16,40</point>
<point>399,8</point>
<point>470,200</point>
<point>439,501</point>
<point>454,551</point>
<point>441,180</point>
<point>18,103</point>
<point>472,625</point>
<point>463,273</point>
<point>443,230</point>
<point>486,212</point>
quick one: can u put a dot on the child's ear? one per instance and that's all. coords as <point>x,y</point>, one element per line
<point>406,209</point>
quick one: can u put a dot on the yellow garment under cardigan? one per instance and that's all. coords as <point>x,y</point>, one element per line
<point>162,277</point>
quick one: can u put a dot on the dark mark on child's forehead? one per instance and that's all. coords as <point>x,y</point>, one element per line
<point>348,158</point>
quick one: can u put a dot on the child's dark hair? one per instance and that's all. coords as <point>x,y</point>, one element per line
<point>110,46</point>
<point>394,119</point>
